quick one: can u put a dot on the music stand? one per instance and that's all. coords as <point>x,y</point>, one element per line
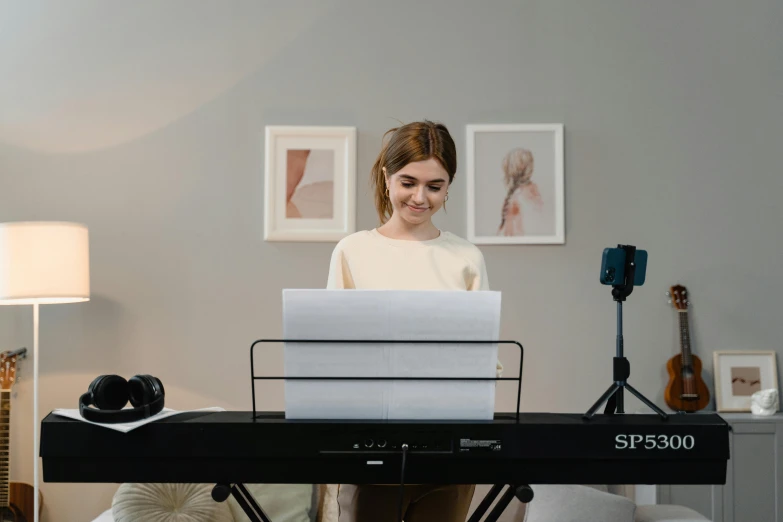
<point>621,367</point>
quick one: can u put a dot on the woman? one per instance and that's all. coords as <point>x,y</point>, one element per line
<point>411,178</point>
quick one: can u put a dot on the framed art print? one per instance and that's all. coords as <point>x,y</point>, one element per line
<point>309,183</point>
<point>515,184</point>
<point>741,373</point>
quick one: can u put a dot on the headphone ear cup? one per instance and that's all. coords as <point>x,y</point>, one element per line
<point>141,390</point>
<point>94,384</point>
<point>109,392</point>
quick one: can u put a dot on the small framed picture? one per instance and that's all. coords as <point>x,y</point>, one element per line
<point>515,184</point>
<point>309,183</point>
<point>741,373</point>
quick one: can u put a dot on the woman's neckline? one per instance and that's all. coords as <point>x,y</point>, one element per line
<point>409,242</point>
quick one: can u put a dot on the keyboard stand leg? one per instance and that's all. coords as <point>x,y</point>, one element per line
<point>484,506</point>
<point>523,492</point>
<point>243,497</point>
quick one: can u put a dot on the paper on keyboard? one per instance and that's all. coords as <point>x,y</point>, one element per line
<point>391,315</point>
<point>128,426</point>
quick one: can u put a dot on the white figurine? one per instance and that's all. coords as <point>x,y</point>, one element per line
<point>764,402</point>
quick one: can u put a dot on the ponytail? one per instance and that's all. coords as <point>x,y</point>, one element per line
<point>383,203</point>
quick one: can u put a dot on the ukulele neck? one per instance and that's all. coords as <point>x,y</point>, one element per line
<point>685,340</point>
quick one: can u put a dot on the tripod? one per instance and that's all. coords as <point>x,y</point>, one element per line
<point>621,367</point>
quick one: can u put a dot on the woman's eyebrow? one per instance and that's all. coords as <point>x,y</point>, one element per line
<point>408,176</point>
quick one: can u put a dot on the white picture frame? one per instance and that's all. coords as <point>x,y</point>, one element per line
<point>319,203</point>
<point>744,367</point>
<point>497,153</point>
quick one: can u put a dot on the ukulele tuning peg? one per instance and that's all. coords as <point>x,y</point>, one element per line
<point>668,294</point>
<point>669,301</point>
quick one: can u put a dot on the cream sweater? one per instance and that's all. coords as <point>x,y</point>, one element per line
<point>370,260</point>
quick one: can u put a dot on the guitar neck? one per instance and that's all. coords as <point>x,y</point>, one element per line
<point>685,339</point>
<point>7,379</point>
<point>5,446</point>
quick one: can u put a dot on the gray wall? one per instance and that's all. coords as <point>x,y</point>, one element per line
<point>146,123</point>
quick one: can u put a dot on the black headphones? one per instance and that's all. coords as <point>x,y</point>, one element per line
<point>110,393</point>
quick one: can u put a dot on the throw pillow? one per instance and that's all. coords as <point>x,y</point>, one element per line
<point>556,503</point>
<point>168,503</point>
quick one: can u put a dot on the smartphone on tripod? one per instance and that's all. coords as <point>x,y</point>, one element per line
<point>613,267</point>
<point>616,265</point>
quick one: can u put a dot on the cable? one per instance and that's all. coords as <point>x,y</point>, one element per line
<point>402,482</point>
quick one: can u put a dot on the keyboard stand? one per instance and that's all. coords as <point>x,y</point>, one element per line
<point>523,492</point>
<point>246,501</point>
<point>254,512</point>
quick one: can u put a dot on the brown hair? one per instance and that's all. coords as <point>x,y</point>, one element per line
<point>417,141</point>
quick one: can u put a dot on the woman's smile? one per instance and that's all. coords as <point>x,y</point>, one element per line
<point>416,209</point>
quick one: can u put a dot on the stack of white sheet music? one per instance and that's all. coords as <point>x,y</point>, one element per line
<point>383,315</point>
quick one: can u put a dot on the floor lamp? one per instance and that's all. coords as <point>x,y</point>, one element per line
<point>42,262</point>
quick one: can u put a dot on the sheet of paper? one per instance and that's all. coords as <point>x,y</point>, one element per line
<point>128,426</point>
<point>390,315</point>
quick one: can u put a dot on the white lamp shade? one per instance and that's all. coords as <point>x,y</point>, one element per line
<point>44,262</point>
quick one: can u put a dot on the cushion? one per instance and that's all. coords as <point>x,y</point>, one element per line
<point>667,513</point>
<point>281,502</point>
<point>106,516</point>
<point>556,503</point>
<point>168,503</point>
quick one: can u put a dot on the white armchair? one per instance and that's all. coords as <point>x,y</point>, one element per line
<point>555,503</point>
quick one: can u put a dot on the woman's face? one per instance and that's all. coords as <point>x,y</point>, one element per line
<point>418,190</point>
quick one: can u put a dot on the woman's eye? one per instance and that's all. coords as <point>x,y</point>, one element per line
<point>407,185</point>
<point>435,189</point>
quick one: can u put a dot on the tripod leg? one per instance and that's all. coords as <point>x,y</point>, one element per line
<point>646,401</point>
<point>620,404</point>
<point>607,394</point>
<point>484,506</point>
<point>611,404</point>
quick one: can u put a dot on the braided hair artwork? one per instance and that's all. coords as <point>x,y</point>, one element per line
<point>518,171</point>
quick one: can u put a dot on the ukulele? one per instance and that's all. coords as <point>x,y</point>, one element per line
<point>16,498</point>
<point>686,390</point>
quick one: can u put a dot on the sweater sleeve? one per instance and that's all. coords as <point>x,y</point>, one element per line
<point>339,271</point>
<point>480,277</point>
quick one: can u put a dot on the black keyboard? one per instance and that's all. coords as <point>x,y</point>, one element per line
<point>538,448</point>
